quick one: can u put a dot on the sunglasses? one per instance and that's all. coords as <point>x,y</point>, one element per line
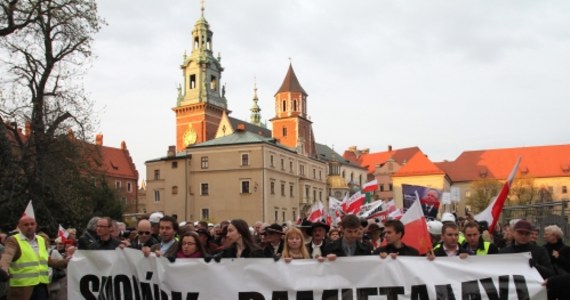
<point>144,232</point>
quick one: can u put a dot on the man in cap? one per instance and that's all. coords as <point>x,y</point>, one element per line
<point>26,260</point>
<point>274,239</point>
<point>540,259</point>
<point>154,219</point>
<point>318,232</point>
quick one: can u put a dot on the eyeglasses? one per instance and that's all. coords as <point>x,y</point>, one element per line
<point>144,232</point>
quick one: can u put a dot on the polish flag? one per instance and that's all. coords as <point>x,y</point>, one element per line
<point>370,186</point>
<point>29,212</point>
<point>317,212</point>
<point>61,232</point>
<point>354,203</point>
<point>492,213</point>
<point>416,231</point>
<point>389,212</point>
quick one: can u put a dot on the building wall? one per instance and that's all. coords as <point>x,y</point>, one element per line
<point>167,178</point>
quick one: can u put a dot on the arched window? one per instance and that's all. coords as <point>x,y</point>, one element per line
<point>294,104</point>
<point>284,106</point>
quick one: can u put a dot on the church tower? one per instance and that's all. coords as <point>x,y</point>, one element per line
<point>291,124</point>
<point>255,117</point>
<point>201,100</point>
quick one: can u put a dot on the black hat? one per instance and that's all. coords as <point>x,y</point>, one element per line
<point>305,224</point>
<point>318,224</point>
<point>203,231</point>
<point>273,228</point>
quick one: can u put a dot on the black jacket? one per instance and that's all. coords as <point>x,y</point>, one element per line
<point>336,248</point>
<point>405,250</point>
<point>440,251</point>
<point>137,245</point>
<point>231,252</point>
<point>268,251</point>
<point>562,263</point>
<point>540,258</point>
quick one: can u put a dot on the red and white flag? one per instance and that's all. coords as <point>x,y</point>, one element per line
<point>61,232</point>
<point>492,213</point>
<point>370,208</point>
<point>317,212</point>
<point>354,203</point>
<point>370,186</point>
<point>389,212</point>
<point>416,230</point>
<point>29,212</point>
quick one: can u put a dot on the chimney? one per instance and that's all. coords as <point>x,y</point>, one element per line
<point>365,151</point>
<point>352,149</point>
<point>99,139</point>
<point>171,151</point>
<point>241,127</point>
<point>389,148</point>
<point>123,145</point>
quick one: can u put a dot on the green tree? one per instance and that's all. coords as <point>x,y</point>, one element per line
<point>44,47</point>
<point>482,192</point>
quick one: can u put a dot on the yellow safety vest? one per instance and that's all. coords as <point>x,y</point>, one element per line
<point>485,249</point>
<point>30,269</point>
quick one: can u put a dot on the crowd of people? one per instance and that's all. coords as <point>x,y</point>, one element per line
<point>31,269</point>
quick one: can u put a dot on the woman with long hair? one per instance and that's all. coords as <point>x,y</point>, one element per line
<point>294,247</point>
<point>190,246</point>
<point>240,241</point>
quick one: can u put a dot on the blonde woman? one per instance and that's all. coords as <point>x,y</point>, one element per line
<point>294,247</point>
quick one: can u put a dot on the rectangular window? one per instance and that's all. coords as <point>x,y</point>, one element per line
<point>175,190</point>
<point>174,164</point>
<point>276,215</point>
<point>245,159</point>
<point>381,187</point>
<point>245,187</point>
<point>302,170</point>
<point>291,187</point>
<point>291,166</point>
<point>129,187</point>
<point>283,216</point>
<point>156,196</point>
<point>205,214</point>
<point>307,191</point>
<point>315,173</point>
<point>156,174</point>
<point>204,162</point>
<point>314,195</point>
<point>204,189</point>
<point>282,164</point>
<point>284,131</point>
<point>282,188</point>
<point>192,83</point>
<point>390,187</point>
<point>564,189</point>
<point>117,185</point>
<point>272,187</point>
<point>294,215</point>
<point>320,175</point>
<point>271,161</point>
<point>321,195</point>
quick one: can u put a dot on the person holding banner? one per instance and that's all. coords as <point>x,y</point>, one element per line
<point>450,243</point>
<point>474,243</point>
<point>26,260</point>
<point>540,259</point>
<point>190,246</point>
<point>294,247</point>
<point>350,243</point>
<point>393,233</point>
<point>318,232</point>
<point>240,241</point>
<point>168,245</point>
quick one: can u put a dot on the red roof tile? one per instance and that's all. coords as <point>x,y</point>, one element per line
<point>537,162</point>
<point>291,83</point>
<point>117,162</point>
<point>419,164</point>
<point>371,160</point>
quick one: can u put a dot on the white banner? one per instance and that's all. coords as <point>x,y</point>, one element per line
<point>126,274</point>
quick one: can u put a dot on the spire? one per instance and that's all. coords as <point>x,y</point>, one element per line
<point>255,110</point>
<point>202,6</point>
<point>291,83</point>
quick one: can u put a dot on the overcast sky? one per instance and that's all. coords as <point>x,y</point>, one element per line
<point>446,76</point>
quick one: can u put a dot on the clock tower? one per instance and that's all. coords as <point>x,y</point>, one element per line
<point>291,124</point>
<point>201,100</point>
